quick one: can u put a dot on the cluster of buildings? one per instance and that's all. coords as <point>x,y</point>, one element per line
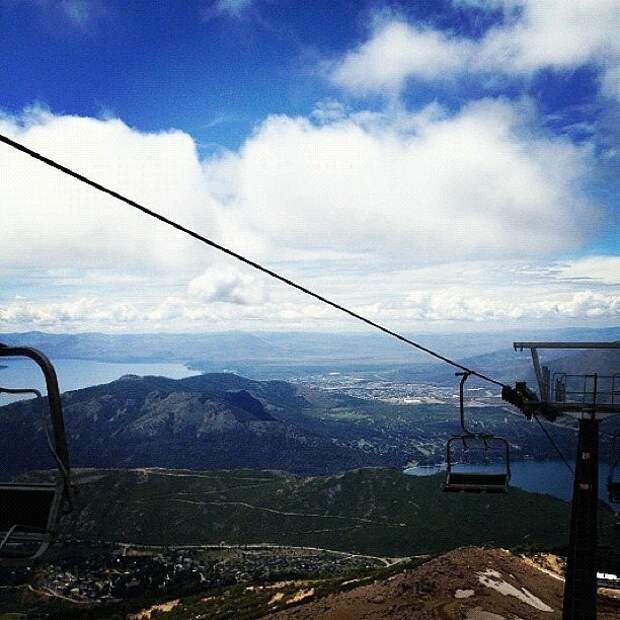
<point>113,577</point>
<point>127,572</point>
<point>395,392</point>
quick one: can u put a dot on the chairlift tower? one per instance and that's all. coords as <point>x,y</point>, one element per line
<point>589,398</point>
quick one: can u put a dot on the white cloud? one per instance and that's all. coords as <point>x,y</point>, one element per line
<point>611,82</point>
<point>603,269</point>
<point>343,201</point>
<point>560,34</point>
<point>171,309</point>
<point>228,285</point>
<point>480,183</point>
<point>77,312</point>
<point>53,221</point>
<point>80,15</point>
<point>442,297</point>
<point>458,305</point>
<point>77,11</point>
<point>397,51</point>
<point>553,33</point>
<point>329,111</point>
<point>413,187</point>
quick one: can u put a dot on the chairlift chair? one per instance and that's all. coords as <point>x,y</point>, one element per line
<point>474,480</point>
<point>30,512</point>
<point>613,478</point>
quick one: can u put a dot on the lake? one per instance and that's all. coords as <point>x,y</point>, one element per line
<point>550,477</point>
<point>77,374</point>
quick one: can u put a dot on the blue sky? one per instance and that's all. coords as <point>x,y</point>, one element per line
<point>438,165</point>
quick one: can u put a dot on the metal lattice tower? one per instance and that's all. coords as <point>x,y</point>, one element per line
<point>589,398</point>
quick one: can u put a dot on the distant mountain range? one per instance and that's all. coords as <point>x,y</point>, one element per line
<point>510,366</point>
<point>277,355</point>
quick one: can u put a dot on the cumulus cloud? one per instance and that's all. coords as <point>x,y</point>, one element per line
<point>397,51</point>
<point>502,305</point>
<point>554,33</point>
<point>457,305</point>
<point>414,187</point>
<point>339,200</point>
<point>560,34</point>
<point>171,309</point>
<point>56,222</point>
<point>478,183</point>
<point>81,311</point>
<point>228,285</point>
<point>185,313</point>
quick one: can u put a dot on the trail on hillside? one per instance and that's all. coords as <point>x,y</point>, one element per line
<point>291,514</point>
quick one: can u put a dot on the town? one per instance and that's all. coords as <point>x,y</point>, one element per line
<point>396,392</point>
<point>101,573</point>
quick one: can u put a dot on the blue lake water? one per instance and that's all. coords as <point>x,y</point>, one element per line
<point>550,477</point>
<point>77,374</point>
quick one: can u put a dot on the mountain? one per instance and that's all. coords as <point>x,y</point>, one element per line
<point>473,583</point>
<point>204,421</point>
<point>601,361</point>
<point>216,421</point>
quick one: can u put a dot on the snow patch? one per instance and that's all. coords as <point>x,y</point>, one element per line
<point>489,572</point>
<point>492,579</point>
<point>463,593</point>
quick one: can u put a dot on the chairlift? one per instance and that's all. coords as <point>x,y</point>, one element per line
<point>472,477</point>
<point>30,512</point>
<point>613,478</point>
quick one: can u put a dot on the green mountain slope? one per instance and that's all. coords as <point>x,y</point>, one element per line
<point>373,511</point>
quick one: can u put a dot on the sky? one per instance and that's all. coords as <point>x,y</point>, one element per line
<point>447,165</point>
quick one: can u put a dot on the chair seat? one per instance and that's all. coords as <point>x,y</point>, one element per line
<point>28,505</point>
<point>475,482</point>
